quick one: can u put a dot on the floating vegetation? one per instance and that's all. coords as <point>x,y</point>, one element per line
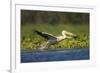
<point>31,41</point>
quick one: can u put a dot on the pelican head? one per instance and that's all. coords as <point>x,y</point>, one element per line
<point>69,34</point>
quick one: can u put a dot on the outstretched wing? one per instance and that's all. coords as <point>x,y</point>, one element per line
<point>45,35</point>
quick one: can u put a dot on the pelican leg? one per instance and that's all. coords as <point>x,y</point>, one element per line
<point>47,45</point>
<point>44,46</point>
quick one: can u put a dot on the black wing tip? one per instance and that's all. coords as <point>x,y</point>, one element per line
<point>35,31</point>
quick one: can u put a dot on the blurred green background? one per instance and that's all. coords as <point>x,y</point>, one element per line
<point>54,23</point>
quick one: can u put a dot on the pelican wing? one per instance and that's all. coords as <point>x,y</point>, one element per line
<point>45,35</point>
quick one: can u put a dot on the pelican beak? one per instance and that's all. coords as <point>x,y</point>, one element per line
<point>74,36</point>
<point>71,34</point>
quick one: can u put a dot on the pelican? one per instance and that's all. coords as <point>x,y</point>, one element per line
<point>51,39</point>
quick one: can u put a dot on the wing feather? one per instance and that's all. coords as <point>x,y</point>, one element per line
<point>45,35</point>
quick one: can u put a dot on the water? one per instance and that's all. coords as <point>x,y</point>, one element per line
<point>44,56</point>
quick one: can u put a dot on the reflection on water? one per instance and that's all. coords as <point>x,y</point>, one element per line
<point>43,56</point>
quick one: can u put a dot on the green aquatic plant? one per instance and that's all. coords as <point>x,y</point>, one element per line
<point>31,41</point>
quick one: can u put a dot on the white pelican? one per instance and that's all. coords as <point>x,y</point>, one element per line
<point>51,39</point>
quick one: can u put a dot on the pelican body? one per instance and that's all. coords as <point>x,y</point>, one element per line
<point>51,39</point>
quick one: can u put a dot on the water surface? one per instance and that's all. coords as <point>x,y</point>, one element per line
<point>61,55</point>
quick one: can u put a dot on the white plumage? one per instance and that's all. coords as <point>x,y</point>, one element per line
<point>51,39</point>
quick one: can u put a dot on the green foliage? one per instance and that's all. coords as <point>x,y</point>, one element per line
<point>31,41</point>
